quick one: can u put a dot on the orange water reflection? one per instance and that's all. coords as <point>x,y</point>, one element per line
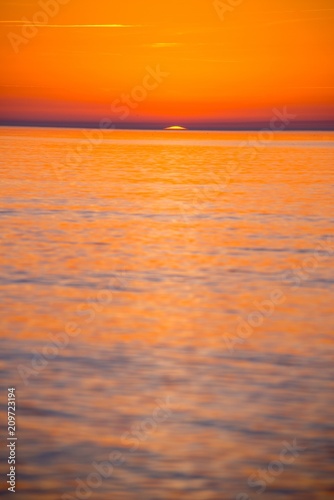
<point>156,256</point>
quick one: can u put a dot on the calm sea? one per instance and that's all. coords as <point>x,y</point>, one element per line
<point>167,316</point>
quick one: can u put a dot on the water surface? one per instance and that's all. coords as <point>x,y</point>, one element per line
<point>187,269</point>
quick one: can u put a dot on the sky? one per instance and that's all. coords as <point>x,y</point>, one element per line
<point>207,62</point>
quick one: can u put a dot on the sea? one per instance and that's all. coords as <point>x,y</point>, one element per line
<point>167,314</point>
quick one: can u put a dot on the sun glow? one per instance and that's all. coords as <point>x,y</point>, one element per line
<point>175,127</point>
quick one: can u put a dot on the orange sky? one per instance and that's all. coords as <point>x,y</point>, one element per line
<point>90,56</point>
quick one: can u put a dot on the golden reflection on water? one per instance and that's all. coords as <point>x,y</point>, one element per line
<point>153,247</point>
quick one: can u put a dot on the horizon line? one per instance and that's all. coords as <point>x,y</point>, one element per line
<point>302,125</point>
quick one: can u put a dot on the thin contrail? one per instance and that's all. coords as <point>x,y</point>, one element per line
<point>20,23</point>
<point>301,19</point>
